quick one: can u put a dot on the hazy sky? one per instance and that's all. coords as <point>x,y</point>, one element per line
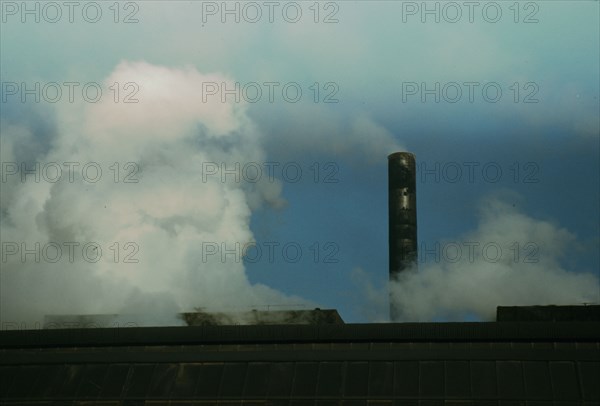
<point>145,145</point>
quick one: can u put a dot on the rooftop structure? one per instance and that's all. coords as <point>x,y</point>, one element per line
<point>417,364</point>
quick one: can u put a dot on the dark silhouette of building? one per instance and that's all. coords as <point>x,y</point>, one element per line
<point>477,364</point>
<point>257,317</point>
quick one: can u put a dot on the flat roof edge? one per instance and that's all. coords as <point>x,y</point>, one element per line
<point>386,332</point>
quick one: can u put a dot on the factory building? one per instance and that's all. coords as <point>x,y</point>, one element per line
<point>534,356</point>
<point>530,356</point>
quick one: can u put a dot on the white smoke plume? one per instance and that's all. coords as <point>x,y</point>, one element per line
<point>357,138</point>
<point>515,260</point>
<point>162,218</point>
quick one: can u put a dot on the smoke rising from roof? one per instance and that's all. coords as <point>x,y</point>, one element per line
<point>455,284</point>
<point>164,217</point>
<point>171,211</point>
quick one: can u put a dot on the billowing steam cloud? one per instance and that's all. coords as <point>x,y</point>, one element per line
<point>146,235</point>
<point>134,224</point>
<point>509,260</point>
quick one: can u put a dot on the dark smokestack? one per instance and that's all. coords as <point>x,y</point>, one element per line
<point>402,195</point>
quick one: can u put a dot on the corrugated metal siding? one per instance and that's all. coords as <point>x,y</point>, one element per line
<point>540,381</point>
<point>407,369</point>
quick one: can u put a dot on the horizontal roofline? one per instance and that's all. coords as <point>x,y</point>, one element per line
<point>264,334</point>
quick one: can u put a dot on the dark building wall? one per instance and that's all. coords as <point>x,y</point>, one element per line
<point>386,364</point>
<point>548,313</point>
<point>255,317</point>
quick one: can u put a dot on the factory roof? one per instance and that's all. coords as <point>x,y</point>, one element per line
<point>494,363</point>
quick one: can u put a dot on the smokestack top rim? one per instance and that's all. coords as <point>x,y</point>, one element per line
<point>401,155</point>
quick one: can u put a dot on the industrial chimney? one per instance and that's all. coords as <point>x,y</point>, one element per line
<point>402,203</point>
